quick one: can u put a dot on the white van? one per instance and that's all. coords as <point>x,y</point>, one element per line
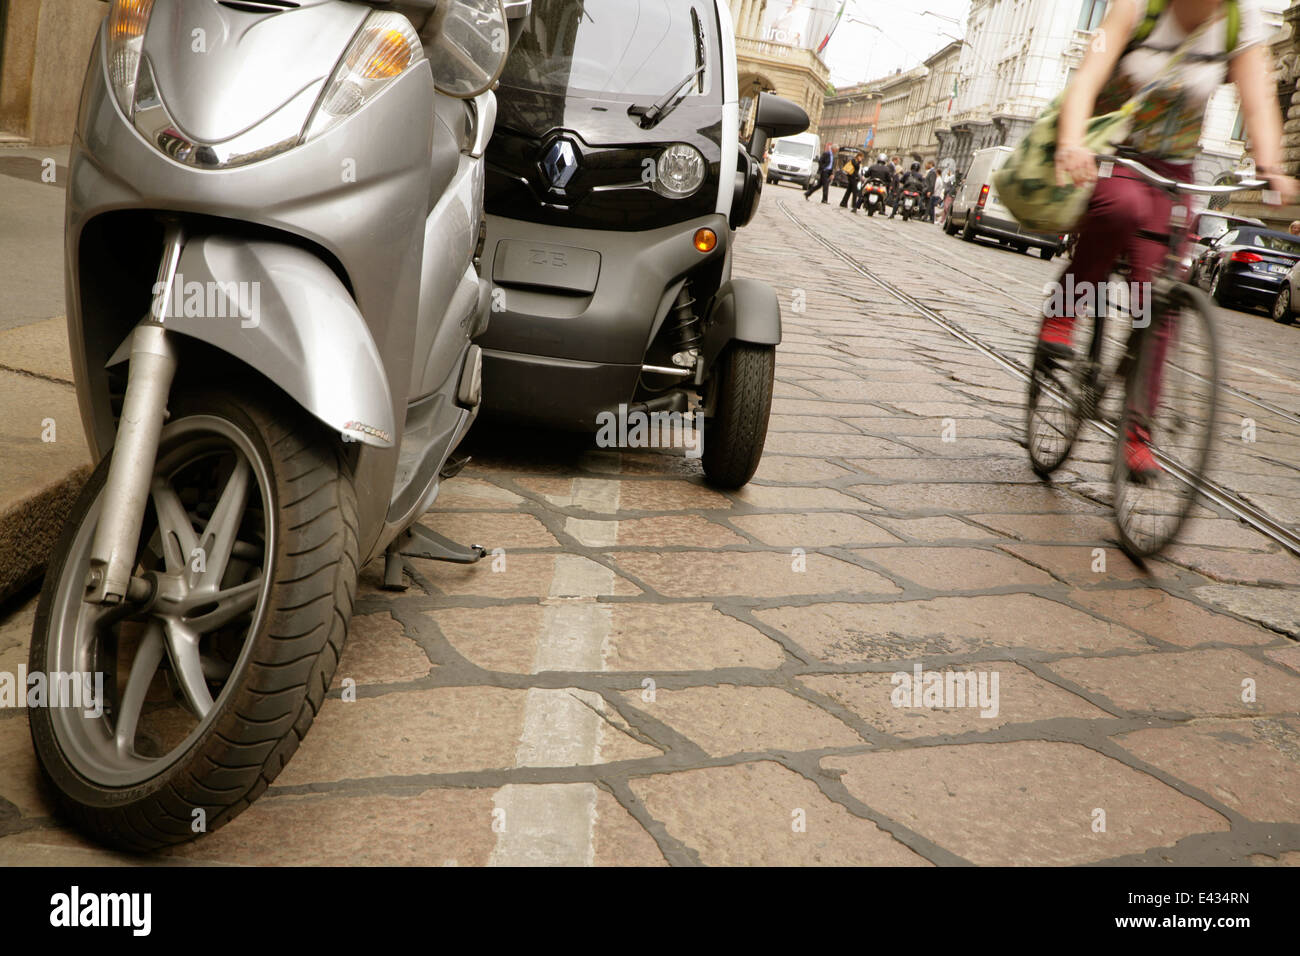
<point>977,211</point>
<point>795,159</point>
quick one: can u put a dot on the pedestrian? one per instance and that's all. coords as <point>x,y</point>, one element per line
<point>952,182</point>
<point>824,173</point>
<point>930,191</point>
<point>1294,228</point>
<point>853,170</point>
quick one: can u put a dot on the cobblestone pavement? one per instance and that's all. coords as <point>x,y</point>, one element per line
<point>651,672</point>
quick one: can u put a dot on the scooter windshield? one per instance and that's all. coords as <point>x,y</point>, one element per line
<point>636,50</point>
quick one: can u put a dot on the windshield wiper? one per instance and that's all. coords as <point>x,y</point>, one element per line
<point>656,111</point>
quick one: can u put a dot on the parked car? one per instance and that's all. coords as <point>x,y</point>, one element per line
<point>1212,223</point>
<point>794,159</point>
<point>977,211</point>
<point>612,290</point>
<point>1205,228</point>
<point>1247,265</point>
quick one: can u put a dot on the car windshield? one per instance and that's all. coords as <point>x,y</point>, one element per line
<point>624,49</point>
<point>793,150</point>
<point>1213,226</point>
<point>1272,241</point>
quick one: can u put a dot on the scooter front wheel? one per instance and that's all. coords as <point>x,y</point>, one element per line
<point>744,378</point>
<point>202,691</point>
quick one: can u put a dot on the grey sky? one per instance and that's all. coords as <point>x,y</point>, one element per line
<point>857,52</point>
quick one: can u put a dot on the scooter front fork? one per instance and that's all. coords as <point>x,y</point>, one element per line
<point>126,491</point>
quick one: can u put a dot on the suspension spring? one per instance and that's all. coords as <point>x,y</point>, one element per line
<point>688,332</point>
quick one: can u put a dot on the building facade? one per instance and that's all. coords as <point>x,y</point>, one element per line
<point>893,131</point>
<point>1223,143</point>
<point>1018,55</point>
<point>773,60</point>
<point>1286,66</point>
<point>850,116</point>
<point>931,103</point>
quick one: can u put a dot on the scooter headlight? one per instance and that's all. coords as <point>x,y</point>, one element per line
<point>386,47</point>
<point>127,21</point>
<point>681,171</point>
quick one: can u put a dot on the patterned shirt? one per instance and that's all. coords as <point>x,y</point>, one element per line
<point>1168,122</point>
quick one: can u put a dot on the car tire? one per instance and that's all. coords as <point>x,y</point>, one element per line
<point>1282,312</point>
<point>968,231</point>
<point>1217,292</point>
<point>744,377</point>
<point>1047,253</point>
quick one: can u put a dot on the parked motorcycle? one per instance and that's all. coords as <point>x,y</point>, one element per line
<point>272,291</point>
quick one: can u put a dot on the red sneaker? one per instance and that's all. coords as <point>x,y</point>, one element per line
<point>1142,465</point>
<point>1057,336</point>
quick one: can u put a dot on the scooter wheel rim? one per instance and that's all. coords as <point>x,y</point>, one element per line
<point>90,744</point>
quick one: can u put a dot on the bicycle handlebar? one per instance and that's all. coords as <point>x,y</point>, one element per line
<point>1173,185</point>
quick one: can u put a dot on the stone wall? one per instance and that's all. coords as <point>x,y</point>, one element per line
<point>47,46</point>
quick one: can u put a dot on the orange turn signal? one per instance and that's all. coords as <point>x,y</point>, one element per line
<point>389,56</point>
<point>706,240</point>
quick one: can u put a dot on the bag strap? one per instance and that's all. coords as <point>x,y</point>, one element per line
<point>1175,58</point>
<point>1156,9</point>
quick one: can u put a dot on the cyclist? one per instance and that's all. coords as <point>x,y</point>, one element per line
<point>1137,39</point>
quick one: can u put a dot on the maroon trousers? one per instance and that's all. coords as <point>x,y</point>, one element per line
<point>1122,205</point>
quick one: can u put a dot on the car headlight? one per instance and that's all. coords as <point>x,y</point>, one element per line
<point>386,47</point>
<point>681,171</point>
<point>127,22</point>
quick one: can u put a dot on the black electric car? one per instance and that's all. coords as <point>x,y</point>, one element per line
<point>615,181</point>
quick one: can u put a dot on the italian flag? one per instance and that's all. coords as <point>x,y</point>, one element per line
<point>834,24</point>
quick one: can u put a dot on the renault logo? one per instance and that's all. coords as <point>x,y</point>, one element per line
<point>560,164</point>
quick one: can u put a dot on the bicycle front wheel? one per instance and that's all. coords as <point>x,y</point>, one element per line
<point>1167,427</point>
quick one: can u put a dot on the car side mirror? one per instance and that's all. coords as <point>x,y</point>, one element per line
<point>774,118</point>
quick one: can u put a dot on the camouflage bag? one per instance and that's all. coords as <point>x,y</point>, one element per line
<point>1027,183</point>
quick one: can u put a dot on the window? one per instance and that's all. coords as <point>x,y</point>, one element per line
<point>1091,15</point>
<point>1239,127</point>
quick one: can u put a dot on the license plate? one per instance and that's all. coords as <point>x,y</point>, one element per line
<point>1279,270</point>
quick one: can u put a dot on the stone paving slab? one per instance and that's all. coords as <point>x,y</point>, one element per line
<point>652,671</point>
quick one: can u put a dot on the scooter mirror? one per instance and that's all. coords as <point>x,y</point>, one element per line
<point>775,117</point>
<point>471,42</point>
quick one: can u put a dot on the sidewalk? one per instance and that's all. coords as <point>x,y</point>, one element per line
<point>43,456</point>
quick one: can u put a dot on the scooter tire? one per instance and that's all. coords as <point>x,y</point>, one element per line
<point>290,647</point>
<point>744,377</point>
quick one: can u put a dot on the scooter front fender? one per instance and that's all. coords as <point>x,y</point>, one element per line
<point>283,312</point>
<point>744,310</point>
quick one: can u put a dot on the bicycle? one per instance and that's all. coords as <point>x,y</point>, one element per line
<point>1181,393</point>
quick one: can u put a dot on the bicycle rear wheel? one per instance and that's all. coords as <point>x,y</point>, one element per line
<point>1176,400</point>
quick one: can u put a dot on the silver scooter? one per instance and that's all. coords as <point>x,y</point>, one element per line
<point>274,218</point>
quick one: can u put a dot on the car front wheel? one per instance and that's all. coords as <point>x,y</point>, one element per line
<point>740,403</point>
